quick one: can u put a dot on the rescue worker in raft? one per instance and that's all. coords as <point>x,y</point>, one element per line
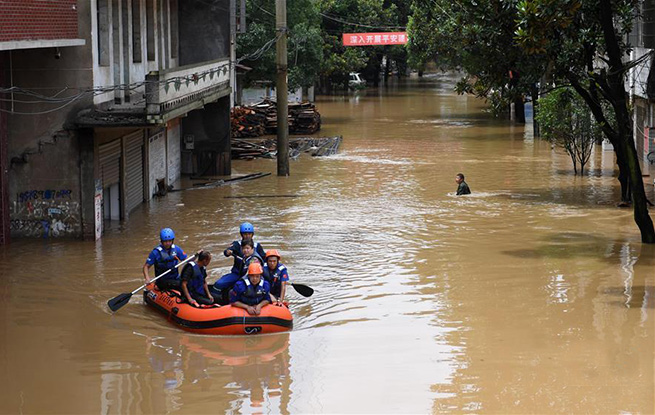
<point>194,280</point>
<point>251,293</point>
<point>249,257</point>
<point>165,257</point>
<point>236,250</point>
<point>276,274</point>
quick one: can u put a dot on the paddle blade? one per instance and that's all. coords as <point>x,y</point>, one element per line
<point>119,301</point>
<point>303,290</point>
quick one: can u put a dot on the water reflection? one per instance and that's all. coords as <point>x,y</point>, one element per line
<point>184,371</point>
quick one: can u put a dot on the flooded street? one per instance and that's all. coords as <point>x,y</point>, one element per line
<point>532,295</point>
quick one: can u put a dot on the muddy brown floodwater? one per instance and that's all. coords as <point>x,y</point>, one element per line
<point>532,295</point>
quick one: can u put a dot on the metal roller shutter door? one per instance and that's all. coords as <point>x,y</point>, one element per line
<point>109,156</point>
<point>134,169</point>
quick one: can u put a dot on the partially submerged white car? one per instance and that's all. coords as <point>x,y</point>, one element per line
<point>355,81</point>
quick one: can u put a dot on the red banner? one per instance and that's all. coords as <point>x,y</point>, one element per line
<point>374,39</point>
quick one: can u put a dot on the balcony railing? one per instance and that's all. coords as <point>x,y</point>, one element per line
<point>173,92</point>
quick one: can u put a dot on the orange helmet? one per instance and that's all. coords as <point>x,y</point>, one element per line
<point>255,268</point>
<point>273,252</point>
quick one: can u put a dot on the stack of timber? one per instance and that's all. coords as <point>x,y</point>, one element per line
<point>246,150</point>
<point>267,147</point>
<point>247,122</point>
<point>261,118</point>
<point>316,146</point>
<point>303,118</point>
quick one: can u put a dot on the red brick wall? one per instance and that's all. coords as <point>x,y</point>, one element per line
<point>38,20</point>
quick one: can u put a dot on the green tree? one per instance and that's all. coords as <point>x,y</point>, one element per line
<point>567,123</point>
<point>256,47</point>
<point>580,41</point>
<point>478,38</point>
<point>353,16</point>
<point>584,42</point>
<point>315,46</point>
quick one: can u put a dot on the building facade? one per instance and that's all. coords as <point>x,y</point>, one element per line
<point>640,83</point>
<point>106,103</point>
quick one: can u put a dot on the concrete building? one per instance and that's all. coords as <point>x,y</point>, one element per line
<point>641,83</point>
<point>104,103</point>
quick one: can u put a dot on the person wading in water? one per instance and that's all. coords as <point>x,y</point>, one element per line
<point>462,188</point>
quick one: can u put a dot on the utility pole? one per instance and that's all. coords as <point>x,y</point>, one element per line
<point>281,89</point>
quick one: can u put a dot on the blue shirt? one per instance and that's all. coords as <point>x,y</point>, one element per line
<point>281,274</point>
<point>163,260</point>
<point>250,294</point>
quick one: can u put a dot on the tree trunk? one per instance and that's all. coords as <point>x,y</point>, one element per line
<point>386,69</point>
<point>535,109</point>
<point>378,69</point>
<point>616,87</point>
<point>519,110</point>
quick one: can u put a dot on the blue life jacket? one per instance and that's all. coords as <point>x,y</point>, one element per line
<point>254,294</point>
<point>166,261</point>
<point>247,262</point>
<point>197,283</point>
<point>237,266</point>
<point>274,277</point>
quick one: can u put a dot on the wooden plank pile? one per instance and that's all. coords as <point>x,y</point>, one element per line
<point>246,122</point>
<point>303,118</point>
<point>246,150</point>
<point>261,118</point>
<point>267,147</point>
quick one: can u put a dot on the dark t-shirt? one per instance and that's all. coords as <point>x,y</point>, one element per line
<point>463,189</point>
<point>187,273</point>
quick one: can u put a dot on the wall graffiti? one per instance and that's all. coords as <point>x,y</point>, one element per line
<point>45,213</point>
<point>44,195</point>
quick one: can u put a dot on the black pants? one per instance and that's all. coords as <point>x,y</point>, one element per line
<point>201,299</point>
<point>168,284</point>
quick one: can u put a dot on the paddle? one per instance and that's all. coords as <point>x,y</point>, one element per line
<point>122,299</point>
<point>302,289</point>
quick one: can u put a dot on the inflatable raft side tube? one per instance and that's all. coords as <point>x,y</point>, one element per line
<point>224,322</point>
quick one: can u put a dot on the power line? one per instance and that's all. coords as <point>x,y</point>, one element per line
<point>94,91</point>
<point>359,24</point>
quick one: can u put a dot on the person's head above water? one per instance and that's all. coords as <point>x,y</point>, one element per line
<point>459,178</point>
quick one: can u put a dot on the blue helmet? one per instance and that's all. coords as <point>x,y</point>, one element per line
<point>167,234</point>
<point>246,227</point>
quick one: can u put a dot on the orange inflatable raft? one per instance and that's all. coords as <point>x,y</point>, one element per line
<point>222,320</point>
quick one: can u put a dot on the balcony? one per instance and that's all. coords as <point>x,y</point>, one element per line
<point>168,94</point>
<point>174,92</point>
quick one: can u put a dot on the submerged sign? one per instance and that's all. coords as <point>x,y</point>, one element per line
<point>374,39</point>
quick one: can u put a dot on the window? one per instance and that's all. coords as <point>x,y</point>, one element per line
<point>137,49</point>
<point>103,32</point>
<point>174,29</point>
<point>150,29</point>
